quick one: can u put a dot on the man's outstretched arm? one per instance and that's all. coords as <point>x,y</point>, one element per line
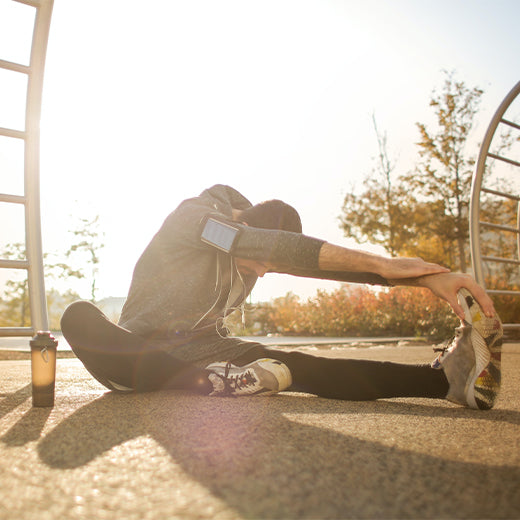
<point>337,258</point>
<point>413,272</point>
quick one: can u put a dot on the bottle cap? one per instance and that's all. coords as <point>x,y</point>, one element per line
<point>43,339</point>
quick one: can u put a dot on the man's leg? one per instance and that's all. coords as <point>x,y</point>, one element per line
<point>468,372</point>
<point>123,361</point>
<point>352,379</point>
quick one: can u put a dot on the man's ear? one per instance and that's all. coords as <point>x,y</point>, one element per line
<point>236,214</point>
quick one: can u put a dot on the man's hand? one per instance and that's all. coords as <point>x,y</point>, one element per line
<point>447,285</point>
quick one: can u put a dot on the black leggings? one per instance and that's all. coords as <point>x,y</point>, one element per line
<point>115,355</point>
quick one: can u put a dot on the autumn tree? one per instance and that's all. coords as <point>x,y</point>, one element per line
<point>443,177</point>
<point>380,213</point>
<point>424,213</point>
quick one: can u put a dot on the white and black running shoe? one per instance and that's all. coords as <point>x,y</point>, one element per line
<point>261,377</point>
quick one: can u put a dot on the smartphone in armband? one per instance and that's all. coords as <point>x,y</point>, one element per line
<point>219,234</point>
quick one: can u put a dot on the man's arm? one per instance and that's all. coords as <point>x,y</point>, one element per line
<point>413,272</point>
<point>337,258</point>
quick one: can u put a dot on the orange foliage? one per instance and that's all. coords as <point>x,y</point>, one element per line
<point>361,311</point>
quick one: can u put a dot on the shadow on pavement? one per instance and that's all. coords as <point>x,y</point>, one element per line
<point>255,455</point>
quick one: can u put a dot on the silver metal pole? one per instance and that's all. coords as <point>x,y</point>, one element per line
<point>33,238</point>
<point>474,227</point>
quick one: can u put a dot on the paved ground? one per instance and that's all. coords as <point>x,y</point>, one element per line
<point>169,455</point>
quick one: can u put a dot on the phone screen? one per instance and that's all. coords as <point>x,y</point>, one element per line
<point>219,234</point>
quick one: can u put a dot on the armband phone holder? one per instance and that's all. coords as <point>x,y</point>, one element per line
<point>221,235</point>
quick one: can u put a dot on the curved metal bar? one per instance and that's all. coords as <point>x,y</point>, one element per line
<point>475,222</point>
<point>474,226</point>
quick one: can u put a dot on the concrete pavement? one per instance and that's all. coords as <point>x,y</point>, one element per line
<point>166,455</point>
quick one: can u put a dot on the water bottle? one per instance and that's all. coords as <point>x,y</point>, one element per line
<point>43,368</point>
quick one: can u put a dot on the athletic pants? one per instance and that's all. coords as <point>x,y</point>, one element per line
<point>115,355</point>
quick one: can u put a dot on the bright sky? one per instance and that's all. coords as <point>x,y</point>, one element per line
<point>148,103</point>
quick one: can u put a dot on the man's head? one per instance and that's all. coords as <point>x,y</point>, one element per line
<point>272,214</point>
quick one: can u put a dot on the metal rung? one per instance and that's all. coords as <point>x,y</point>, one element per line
<point>499,226</point>
<point>504,292</point>
<point>17,331</point>
<point>501,260</point>
<point>9,132</point>
<point>501,194</point>
<point>510,123</point>
<point>14,199</point>
<point>32,3</point>
<point>14,264</point>
<point>16,67</point>
<point>504,159</point>
<point>511,326</point>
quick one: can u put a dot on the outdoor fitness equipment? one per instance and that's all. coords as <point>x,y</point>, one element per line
<point>31,197</point>
<point>479,229</point>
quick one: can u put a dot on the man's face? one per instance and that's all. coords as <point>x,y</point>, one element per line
<point>252,267</point>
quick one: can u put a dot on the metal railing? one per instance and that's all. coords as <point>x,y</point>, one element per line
<point>31,198</point>
<point>477,226</point>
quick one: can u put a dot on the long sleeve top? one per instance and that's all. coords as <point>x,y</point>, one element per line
<point>181,284</point>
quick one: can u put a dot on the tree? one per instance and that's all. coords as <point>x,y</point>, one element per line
<point>444,176</point>
<point>86,249</point>
<point>380,214</point>
<point>15,304</point>
<point>424,213</point>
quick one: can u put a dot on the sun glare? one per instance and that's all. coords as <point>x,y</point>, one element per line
<point>144,107</point>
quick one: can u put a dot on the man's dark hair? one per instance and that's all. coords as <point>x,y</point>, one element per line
<point>272,214</point>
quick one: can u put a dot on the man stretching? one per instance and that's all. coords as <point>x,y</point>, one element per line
<point>202,264</point>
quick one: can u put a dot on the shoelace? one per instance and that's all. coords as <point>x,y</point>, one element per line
<point>444,346</point>
<point>238,381</point>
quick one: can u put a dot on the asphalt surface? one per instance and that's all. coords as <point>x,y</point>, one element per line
<point>167,455</point>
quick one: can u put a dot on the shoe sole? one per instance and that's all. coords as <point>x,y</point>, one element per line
<point>483,384</point>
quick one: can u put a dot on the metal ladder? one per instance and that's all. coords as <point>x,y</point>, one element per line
<point>477,226</point>
<point>31,198</point>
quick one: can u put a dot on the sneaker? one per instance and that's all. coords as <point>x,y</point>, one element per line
<point>261,377</point>
<point>471,361</point>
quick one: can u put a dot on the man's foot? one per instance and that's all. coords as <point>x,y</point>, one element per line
<point>471,361</point>
<point>261,377</point>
